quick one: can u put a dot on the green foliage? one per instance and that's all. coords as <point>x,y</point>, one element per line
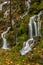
<point>11,38</point>
<point>41,44</point>
<point>22,29</point>
<point>13,57</point>
<point>22,38</point>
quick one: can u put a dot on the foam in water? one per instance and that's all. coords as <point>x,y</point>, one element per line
<point>4,39</point>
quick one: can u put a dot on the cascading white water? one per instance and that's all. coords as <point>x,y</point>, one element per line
<point>27,3</point>
<point>6,13</point>
<point>13,22</point>
<point>26,47</point>
<point>39,28</point>
<point>4,39</point>
<point>30,27</point>
<point>39,24</point>
<point>6,2</point>
<point>23,15</point>
<point>30,30</point>
<point>32,20</point>
<point>35,26</point>
<point>5,45</point>
<point>1,5</point>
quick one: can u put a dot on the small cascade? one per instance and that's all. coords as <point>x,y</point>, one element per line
<point>30,27</point>
<point>39,23</point>
<point>39,29</point>
<point>4,39</point>
<point>13,22</point>
<point>6,2</point>
<point>35,26</point>
<point>5,44</point>
<point>6,13</point>
<point>1,5</point>
<point>27,3</point>
<point>28,45</point>
<point>24,15</point>
<point>32,20</point>
<point>30,30</point>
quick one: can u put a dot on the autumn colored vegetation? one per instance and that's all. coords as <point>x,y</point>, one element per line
<point>12,56</point>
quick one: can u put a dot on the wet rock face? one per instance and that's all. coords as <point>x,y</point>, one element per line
<point>0,42</point>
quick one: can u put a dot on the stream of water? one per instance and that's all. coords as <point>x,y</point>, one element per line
<point>1,5</point>
<point>26,47</point>
<point>5,44</point>
<point>27,3</point>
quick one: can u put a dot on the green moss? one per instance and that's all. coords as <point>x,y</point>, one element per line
<point>41,44</point>
<point>13,57</point>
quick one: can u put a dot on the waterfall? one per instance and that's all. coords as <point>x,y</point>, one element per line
<point>39,28</point>
<point>1,5</point>
<point>35,26</point>
<point>24,15</point>
<point>6,2</point>
<point>30,27</point>
<point>27,3</point>
<point>4,39</point>
<point>30,30</point>
<point>5,45</point>
<point>26,47</point>
<point>13,22</point>
<point>39,23</point>
<point>32,20</point>
<point>6,13</point>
